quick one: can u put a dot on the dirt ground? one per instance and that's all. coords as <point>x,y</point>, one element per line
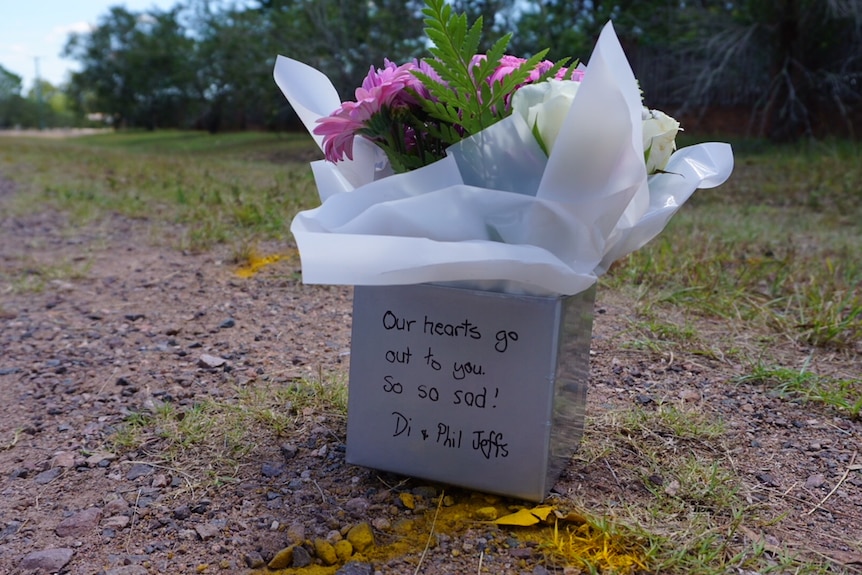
<point>120,323</point>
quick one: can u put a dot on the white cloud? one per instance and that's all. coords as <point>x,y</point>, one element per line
<point>58,34</point>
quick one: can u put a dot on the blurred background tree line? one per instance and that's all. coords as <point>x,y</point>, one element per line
<point>784,69</point>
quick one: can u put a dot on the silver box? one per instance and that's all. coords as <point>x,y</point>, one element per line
<point>477,389</point>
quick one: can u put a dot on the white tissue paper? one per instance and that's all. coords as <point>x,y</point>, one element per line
<point>496,213</point>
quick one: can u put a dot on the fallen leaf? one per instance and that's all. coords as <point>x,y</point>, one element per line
<point>526,517</point>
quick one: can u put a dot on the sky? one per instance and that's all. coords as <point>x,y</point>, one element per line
<point>35,31</point>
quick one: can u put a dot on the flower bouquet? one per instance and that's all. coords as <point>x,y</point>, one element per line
<point>505,187</point>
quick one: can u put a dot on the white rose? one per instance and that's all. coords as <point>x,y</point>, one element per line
<point>659,139</point>
<point>544,106</point>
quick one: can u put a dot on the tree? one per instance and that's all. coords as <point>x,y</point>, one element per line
<point>134,66</point>
<point>797,62</point>
<point>342,38</point>
<point>11,102</point>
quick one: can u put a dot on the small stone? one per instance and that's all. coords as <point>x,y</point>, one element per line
<point>207,531</point>
<point>325,551</point>
<point>182,512</point>
<point>47,560</point>
<point>116,522</point>
<point>48,476</point>
<point>486,513</point>
<point>80,523</point>
<point>115,506</point>
<point>643,399</point>
<point>139,470</point>
<point>127,570</point>
<point>689,395</point>
<point>357,505</point>
<point>96,459</point>
<point>288,450</point>
<point>672,488</point>
<point>407,500</point>
<point>381,524</point>
<point>160,481</point>
<point>356,568</point>
<point>272,469</point>
<point>282,559</point>
<point>64,459</point>
<point>210,361</point>
<point>767,479</point>
<point>254,560</point>
<point>301,557</point>
<point>343,550</point>
<point>521,553</point>
<point>361,537</point>
<point>815,481</point>
<point>296,533</point>
<point>228,323</point>
<point>334,535</point>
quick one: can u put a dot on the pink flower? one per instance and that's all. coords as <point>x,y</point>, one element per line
<point>383,87</point>
<point>388,85</point>
<point>506,66</point>
<point>339,128</point>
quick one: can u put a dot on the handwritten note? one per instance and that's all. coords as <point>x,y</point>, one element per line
<point>449,367</point>
<point>459,386</point>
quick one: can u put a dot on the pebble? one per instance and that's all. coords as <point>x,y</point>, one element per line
<point>160,481</point>
<point>96,460</point>
<point>210,361</point>
<point>301,557</point>
<point>127,570</point>
<point>381,524</point>
<point>47,560</point>
<point>254,560</point>
<point>63,459</point>
<point>182,512</point>
<point>815,481</point>
<point>288,450</point>
<point>355,568</point>
<point>207,531</point>
<point>357,505</point>
<point>361,537</point>
<point>80,523</point>
<point>343,549</point>
<point>282,559</point>
<point>139,470</point>
<point>325,551</point>
<point>296,533</point>
<point>486,513</point>
<point>689,395</point>
<point>407,500</point>
<point>115,506</point>
<point>272,469</point>
<point>48,476</point>
<point>116,522</point>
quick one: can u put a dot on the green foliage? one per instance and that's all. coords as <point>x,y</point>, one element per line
<point>844,395</point>
<point>465,96</point>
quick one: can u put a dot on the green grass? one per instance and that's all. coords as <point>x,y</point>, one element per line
<point>843,395</point>
<point>775,249</point>
<point>226,189</point>
<point>747,274</point>
<point>209,441</point>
